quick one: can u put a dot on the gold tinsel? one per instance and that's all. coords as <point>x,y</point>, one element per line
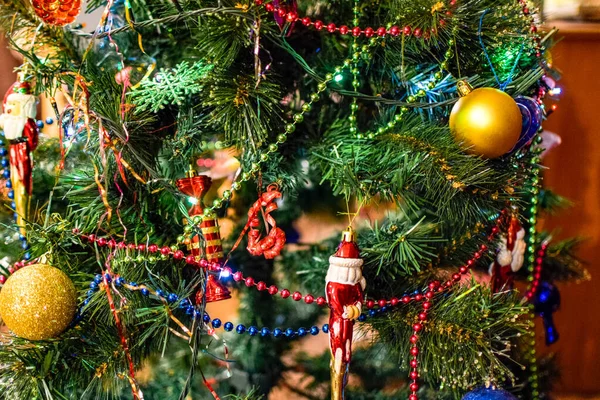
<point>38,302</point>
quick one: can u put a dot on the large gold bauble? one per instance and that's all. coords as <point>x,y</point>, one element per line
<point>487,121</point>
<point>38,302</point>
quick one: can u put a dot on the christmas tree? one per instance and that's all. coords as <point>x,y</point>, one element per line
<point>192,138</point>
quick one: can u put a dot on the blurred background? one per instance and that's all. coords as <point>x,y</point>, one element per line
<point>573,171</point>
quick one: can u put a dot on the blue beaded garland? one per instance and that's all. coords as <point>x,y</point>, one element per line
<point>265,332</point>
<point>4,162</point>
<point>252,331</point>
<point>6,174</point>
<point>302,332</point>
<point>240,329</point>
<point>94,285</point>
<point>206,318</point>
<point>119,281</point>
<point>277,332</point>
<point>289,332</point>
<point>8,184</point>
<point>108,277</point>
<point>39,123</point>
<point>228,326</point>
<point>160,293</point>
<point>314,330</point>
<point>172,298</point>
<point>27,257</point>
<point>216,323</point>
<point>49,121</point>
<point>325,328</point>
<point>362,318</point>
<point>145,292</point>
<point>189,310</point>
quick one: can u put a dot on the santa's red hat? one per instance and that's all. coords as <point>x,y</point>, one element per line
<point>19,88</point>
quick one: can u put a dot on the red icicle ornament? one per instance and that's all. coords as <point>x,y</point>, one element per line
<point>344,290</point>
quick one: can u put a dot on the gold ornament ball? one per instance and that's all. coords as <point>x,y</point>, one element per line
<point>487,121</point>
<point>38,302</point>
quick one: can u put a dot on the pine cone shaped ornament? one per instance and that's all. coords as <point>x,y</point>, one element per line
<point>57,12</point>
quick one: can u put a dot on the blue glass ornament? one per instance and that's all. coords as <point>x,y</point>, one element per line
<point>489,394</point>
<point>546,302</point>
<point>532,120</point>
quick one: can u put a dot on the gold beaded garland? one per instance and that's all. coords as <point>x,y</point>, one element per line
<point>38,302</point>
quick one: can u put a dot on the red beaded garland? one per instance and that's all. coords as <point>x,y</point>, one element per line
<point>292,16</point>
<point>297,296</point>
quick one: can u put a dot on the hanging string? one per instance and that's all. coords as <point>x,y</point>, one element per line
<point>501,85</point>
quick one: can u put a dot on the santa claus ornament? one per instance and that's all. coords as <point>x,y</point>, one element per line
<point>511,254</point>
<point>21,131</point>
<point>344,290</point>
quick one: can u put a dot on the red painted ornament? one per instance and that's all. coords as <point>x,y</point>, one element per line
<point>345,286</point>
<point>57,12</point>
<point>18,122</point>
<point>510,256</point>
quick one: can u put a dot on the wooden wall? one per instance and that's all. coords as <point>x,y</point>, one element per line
<point>574,172</point>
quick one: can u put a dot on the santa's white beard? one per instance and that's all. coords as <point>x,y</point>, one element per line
<point>13,126</point>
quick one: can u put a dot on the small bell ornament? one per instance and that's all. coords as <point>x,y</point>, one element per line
<point>215,291</point>
<point>344,290</point>
<point>510,258</point>
<point>20,129</point>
